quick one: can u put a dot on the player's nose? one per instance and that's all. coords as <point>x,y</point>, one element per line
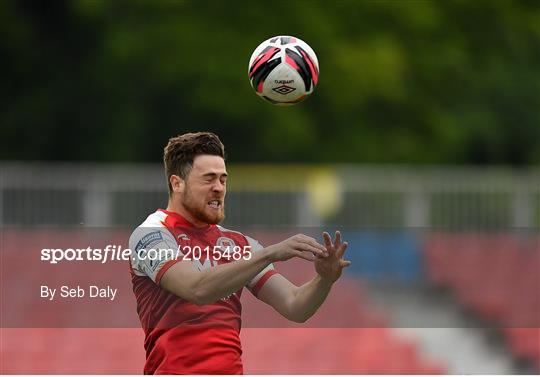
<point>218,187</point>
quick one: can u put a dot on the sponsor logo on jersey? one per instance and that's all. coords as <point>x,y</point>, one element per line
<point>148,240</point>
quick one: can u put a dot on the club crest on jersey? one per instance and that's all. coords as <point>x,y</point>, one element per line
<point>225,243</point>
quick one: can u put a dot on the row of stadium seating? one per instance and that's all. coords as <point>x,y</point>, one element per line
<point>385,255</point>
<point>266,351</point>
<point>348,335</point>
<point>71,351</point>
<point>496,277</point>
<point>331,351</point>
<point>39,336</point>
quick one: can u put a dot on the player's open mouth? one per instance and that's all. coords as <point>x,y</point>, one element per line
<point>215,204</point>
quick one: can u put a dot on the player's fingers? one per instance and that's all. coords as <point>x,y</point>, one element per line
<point>313,242</point>
<point>327,240</point>
<point>307,247</point>
<point>310,241</point>
<point>344,263</point>
<point>305,255</point>
<point>341,250</point>
<point>338,239</point>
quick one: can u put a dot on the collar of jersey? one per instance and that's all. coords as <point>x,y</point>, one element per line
<point>180,221</point>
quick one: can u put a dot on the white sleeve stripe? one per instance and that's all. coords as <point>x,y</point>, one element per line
<point>253,282</point>
<point>256,247</point>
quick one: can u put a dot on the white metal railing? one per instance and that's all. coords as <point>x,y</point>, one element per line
<point>350,195</point>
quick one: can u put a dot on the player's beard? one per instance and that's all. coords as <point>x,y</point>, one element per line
<point>199,208</point>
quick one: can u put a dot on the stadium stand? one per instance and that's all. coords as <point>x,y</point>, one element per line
<point>385,255</point>
<point>72,351</point>
<point>495,277</point>
<point>349,335</point>
<point>383,211</point>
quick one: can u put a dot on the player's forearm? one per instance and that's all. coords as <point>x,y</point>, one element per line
<point>308,298</point>
<point>225,279</point>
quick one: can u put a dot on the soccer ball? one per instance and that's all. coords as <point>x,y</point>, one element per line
<point>283,70</point>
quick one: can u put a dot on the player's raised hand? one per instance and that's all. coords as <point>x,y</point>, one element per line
<point>300,246</point>
<point>331,267</point>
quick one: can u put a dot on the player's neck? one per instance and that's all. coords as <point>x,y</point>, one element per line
<point>179,209</point>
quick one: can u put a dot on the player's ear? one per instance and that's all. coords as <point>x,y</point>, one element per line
<point>177,183</point>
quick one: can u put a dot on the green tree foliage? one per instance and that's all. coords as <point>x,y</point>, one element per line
<point>401,81</point>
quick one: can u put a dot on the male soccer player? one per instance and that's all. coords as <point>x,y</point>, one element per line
<point>188,297</point>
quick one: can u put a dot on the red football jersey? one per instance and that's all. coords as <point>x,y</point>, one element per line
<point>181,337</point>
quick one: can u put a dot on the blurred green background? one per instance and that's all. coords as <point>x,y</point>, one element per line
<point>436,82</point>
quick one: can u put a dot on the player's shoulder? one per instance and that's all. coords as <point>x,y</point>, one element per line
<point>156,219</point>
<point>151,230</point>
<point>152,235</point>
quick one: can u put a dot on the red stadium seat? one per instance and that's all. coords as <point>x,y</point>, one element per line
<point>72,351</point>
<point>330,351</point>
<point>363,345</point>
<point>272,345</point>
<point>496,276</point>
<point>524,342</point>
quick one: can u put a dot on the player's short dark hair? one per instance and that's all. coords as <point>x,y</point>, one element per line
<point>181,150</point>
